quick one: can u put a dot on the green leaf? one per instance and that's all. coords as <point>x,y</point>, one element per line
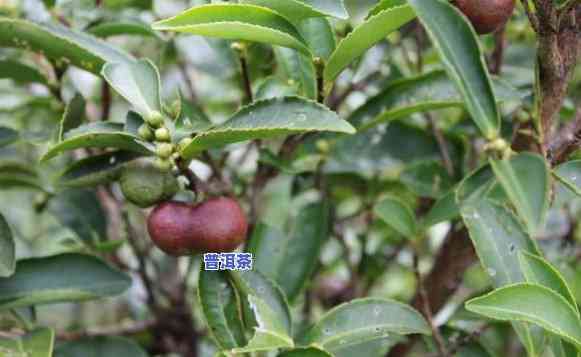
<point>398,216</point>
<point>460,53</point>
<point>221,309</point>
<point>299,69</point>
<point>382,148</point>
<point>269,333</point>
<point>427,178</point>
<point>364,36</point>
<point>275,87</point>
<point>37,343</point>
<point>253,283</point>
<point>20,73</point>
<point>267,119</point>
<point>60,278</point>
<point>7,249</point>
<point>191,120</point>
<point>444,209</point>
<point>60,43</point>
<point>497,237</point>
<point>236,22</point>
<point>528,193</point>
<point>569,174</point>
<point>533,304</point>
<point>138,82</point>
<point>479,184</point>
<point>305,352</point>
<point>276,253</point>
<point>98,135</point>
<point>297,10</point>
<point>384,5</point>
<point>73,116</point>
<point>319,35</point>
<point>108,29</point>
<point>7,136</point>
<point>364,320</point>
<point>429,91</point>
<point>95,170</point>
<point>80,211</point>
<point>16,174</point>
<point>538,271</point>
<point>99,347</point>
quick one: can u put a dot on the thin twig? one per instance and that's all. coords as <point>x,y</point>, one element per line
<point>240,48</point>
<point>440,344</point>
<point>442,144</point>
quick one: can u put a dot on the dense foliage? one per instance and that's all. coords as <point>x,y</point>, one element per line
<point>404,177</point>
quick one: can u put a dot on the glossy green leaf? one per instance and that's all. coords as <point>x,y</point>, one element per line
<point>7,249</point>
<point>236,22</point>
<point>267,119</point>
<point>275,252</point>
<point>138,82</point>
<point>569,174</point>
<point>253,283</point>
<point>364,320</point>
<point>221,309</point>
<point>59,43</point>
<point>269,333</point>
<point>305,352</point>
<point>275,87</point>
<point>20,73</point>
<point>364,36</point>
<point>398,216</point>
<point>7,136</point>
<point>385,4</point>
<point>319,35</point>
<point>100,347</point>
<point>444,209</point>
<point>73,116</point>
<point>429,91</point>
<point>80,211</point>
<point>299,69</point>
<point>60,278</point>
<point>17,174</point>
<point>460,53</point>
<point>108,29</point>
<point>539,271</point>
<point>191,120</point>
<point>427,178</point>
<point>297,10</point>
<point>95,170</point>
<point>497,237</point>
<point>37,343</point>
<point>528,193</point>
<point>533,304</point>
<point>98,135</point>
<point>477,185</point>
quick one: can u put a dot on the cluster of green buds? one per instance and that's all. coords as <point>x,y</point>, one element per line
<point>154,130</point>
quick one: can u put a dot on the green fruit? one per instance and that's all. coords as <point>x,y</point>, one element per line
<point>145,185</point>
<point>162,134</point>
<point>163,165</point>
<point>164,150</point>
<point>155,119</point>
<point>145,132</point>
<point>184,143</point>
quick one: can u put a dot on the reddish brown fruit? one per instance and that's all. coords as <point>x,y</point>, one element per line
<point>216,225</point>
<point>486,15</point>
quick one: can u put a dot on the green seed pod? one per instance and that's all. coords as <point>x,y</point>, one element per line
<point>145,185</point>
<point>145,132</point>
<point>155,119</point>
<point>162,134</point>
<point>164,150</point>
